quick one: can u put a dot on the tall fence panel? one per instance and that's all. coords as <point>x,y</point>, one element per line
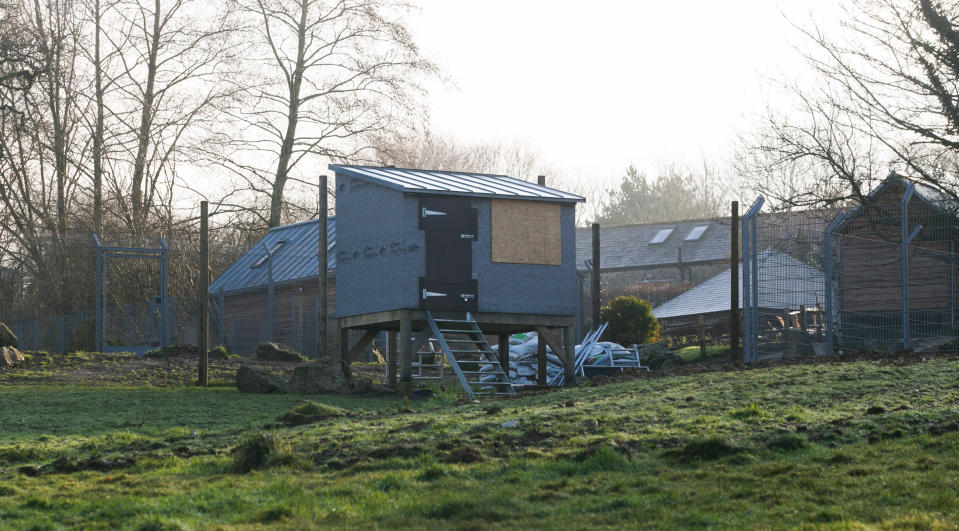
<point>784,283</point>
<point>880,276</point>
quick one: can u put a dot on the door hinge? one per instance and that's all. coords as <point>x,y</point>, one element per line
<point>427,212</point>
<point>427,294</point>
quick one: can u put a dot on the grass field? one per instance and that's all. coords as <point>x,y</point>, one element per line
<point>692,354</point>
<point>871,444</point>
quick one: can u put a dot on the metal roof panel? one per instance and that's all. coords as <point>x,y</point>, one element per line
<point>456,183</point>
<point>784,282</point>
<point>295,260</point>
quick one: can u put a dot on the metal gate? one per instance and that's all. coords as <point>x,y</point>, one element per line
<point>133,310</point>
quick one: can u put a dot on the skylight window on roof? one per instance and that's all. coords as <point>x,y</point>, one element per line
<point>696,233</point>
<point>661,236</point>
<point>276,247</point>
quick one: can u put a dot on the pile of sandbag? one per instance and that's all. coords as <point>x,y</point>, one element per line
<point>523,365</point>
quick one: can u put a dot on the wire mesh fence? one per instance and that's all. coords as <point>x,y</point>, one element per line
<point>878,276</point>
<point>117,292</point>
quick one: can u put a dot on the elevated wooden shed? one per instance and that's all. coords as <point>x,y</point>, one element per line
<point>451,243</point>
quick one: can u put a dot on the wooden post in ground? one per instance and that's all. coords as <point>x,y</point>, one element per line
<point>735,354</point>
<point>321,313</point>
<point>203,326</point>
<point>540,341</point>
<point>392,357</point>
<point>568,335</point>
<point>595,278</point>
<point>540,359</point>
<point>503,340</point>
<point>702,338</point>
<point>406,358</point>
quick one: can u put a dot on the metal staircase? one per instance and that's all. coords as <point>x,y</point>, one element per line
<point>476,365</point>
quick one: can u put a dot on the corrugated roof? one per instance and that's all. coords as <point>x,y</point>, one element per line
<point>297,258</point>
<point>631,246</point>
<point>456,183</point>
<point>784,282</point>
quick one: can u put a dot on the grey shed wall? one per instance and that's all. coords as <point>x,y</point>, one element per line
<point>380,258</point>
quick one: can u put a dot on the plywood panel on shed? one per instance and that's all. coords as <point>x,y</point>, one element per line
<point>526,232</point>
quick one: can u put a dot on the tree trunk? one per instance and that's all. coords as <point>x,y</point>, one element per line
<point>138,203</point>
<point>98,127</point>
<point>292,116</point>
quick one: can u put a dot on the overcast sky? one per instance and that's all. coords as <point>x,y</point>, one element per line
<point>594,86</point>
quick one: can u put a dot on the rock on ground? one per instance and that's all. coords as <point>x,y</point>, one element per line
<point>325,376</point>
<point>278,352</point>
<point>171,351</point>
<point>254,380</point>
<point>7,337</point>
<point>10,356</point>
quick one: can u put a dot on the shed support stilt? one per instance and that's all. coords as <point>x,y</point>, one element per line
<point>391,360</point>
<point>503,340</point>
<point>540,358</point>
<point>570,366</point>
<point>406,360</point>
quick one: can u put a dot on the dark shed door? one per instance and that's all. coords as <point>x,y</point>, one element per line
<point>450,229</point>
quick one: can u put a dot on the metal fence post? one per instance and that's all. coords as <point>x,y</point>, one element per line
<point>221,322</point>
<point>747,289</point>
<point>829,288</point>
<point>98,335</point>
<point>906,238</point>
<point>269,293</point>
<point>164,295</point>
<point>750,272</point>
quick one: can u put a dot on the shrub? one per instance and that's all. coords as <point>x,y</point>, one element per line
<point>219,352</point>
<point>631,321</point>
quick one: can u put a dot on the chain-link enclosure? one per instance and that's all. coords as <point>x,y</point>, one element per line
<point>879,276</point>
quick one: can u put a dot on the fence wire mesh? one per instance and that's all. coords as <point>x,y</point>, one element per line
<point>879,276</point>
<point>50,295</point>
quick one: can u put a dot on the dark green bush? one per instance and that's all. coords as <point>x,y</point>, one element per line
<point>631,321</point>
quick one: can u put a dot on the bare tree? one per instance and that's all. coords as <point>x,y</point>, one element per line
<point>40,153</point>
<point>430,150</point>
<point>886,98</point>
<point>434,151</point>
<point>170,60</point>
<point>20,61</point>
<point>324,77</point>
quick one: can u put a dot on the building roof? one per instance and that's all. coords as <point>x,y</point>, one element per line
<point>456,183</point>
<point>633,247</point>
<point>784,282</point>
<point>922,192</point>
<point>295,256</point>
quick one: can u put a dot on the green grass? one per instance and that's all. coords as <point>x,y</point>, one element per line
<point>692,354</point>
<point>839,446</point>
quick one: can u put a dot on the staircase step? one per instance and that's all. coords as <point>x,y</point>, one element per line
<point>497,379</point>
